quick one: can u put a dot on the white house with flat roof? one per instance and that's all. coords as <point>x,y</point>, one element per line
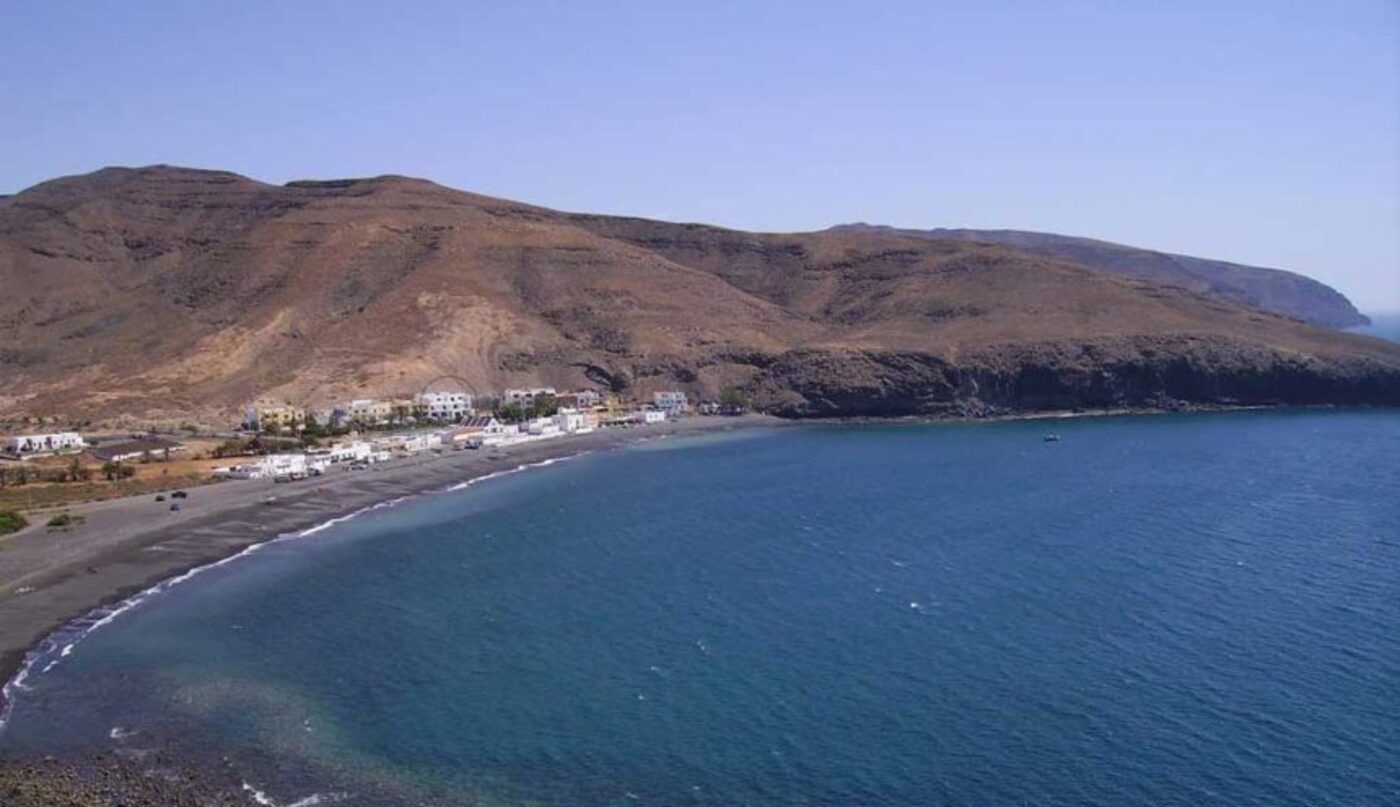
<point>445,406</point>
<point>292,466</point>
<point>422,442</point>
<point>497,434</point>
<point>354,451</point>
<point>572,421</point>
<point>28,445</point>
<point>543,427</point>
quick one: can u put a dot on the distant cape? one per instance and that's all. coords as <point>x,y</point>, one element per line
<point>1277,290</point>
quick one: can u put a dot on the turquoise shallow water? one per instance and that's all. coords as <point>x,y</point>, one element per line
<point>1164,610</point>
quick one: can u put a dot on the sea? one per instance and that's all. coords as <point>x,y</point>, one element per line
<point>1168,610</point>
<point>1384,324</point>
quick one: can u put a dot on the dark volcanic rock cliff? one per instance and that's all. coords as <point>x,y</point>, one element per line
<point>1107,374</point>
<point>176,294</point>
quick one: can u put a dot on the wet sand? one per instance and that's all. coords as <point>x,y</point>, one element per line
<point>124,546</point>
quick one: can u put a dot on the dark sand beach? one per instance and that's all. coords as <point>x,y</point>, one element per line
<point>122,547</point>
<point>50,579</point>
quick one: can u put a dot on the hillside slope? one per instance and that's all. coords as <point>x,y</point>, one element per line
<point>1274,290</point>
<point>177,294</point>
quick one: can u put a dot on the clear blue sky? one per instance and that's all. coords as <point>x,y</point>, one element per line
<point>1263,132</point>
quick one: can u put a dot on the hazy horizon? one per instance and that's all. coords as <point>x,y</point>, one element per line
<point>1257,134</point>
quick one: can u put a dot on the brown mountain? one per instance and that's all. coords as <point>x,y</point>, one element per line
<point>176,294</point>
<point>1282,292</point>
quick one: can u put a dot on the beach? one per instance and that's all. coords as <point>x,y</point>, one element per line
<point>122,547</point>
<point>908,612</point>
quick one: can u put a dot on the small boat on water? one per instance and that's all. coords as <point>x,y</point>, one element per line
<point>1052,438</point>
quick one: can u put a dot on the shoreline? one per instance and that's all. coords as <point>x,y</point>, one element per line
<point>52,581</point>
<point>316,505</point>
<point>1079,414</point>
<point>126,547</point>
<point>131,548</point>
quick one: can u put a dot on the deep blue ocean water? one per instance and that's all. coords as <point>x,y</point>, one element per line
<point>1197,609</point>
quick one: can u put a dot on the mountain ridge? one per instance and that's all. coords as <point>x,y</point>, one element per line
<point>1279,290</point>
<point>166,293</point>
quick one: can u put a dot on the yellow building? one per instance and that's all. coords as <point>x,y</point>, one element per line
<point>403,408</point>
<point>370,410</point>
<point>263,417</point>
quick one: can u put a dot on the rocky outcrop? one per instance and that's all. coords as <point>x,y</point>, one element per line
<point>1029,378</point>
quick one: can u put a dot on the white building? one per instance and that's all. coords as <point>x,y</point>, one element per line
<point>356,451</point>
<point>497,434</point>
<point>422,442</point>
<point>472,427</point>
<point>572,421</point>
<point>649,416</point>
<point>543,427</point>
<point>291,466</point>
<point>31,444</point>
<point>672,402</point>
<point>525,398</point>
<point>388,442</point>
<point>445,406</point>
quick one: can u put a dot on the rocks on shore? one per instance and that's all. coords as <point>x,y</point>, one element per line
<point>103,780</point>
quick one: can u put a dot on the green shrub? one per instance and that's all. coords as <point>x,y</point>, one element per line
<point>10,521</point>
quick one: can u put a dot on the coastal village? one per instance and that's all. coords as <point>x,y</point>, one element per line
<point>284,442</point>
<point>379,429</point>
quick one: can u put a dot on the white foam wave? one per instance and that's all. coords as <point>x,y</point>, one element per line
<point>261,797</point>
<point>258,796</point>
<point>517,469</point>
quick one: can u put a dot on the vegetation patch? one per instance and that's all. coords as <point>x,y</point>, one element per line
<point>10,521</point>
<point>63,521</point>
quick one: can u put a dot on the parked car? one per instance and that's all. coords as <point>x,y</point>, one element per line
<point>179,494</point>
<point>160,497</point>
